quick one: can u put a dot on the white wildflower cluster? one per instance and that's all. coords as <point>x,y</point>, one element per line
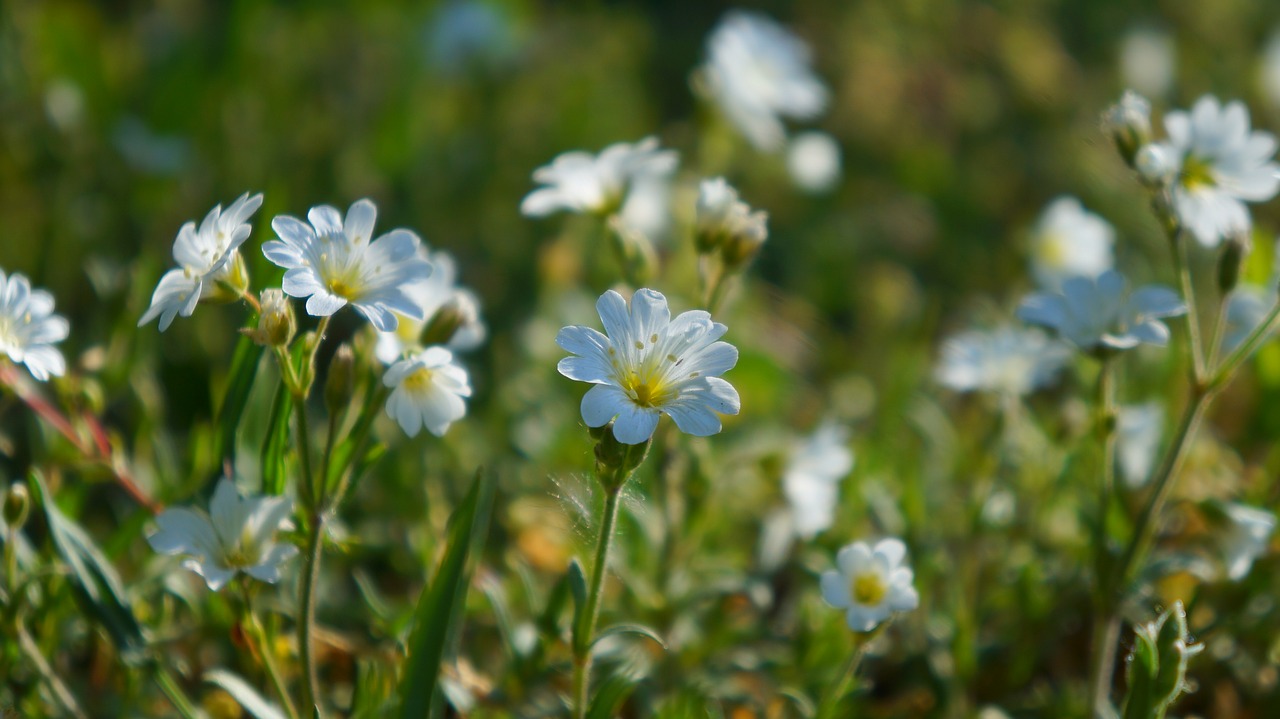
<point>406,292</point>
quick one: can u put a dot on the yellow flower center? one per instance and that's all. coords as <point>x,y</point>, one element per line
<point>1053,250</point>
<point>869,589</point>
<point>418,381</point>
<point>1197,173</point>
<point>648,391</point>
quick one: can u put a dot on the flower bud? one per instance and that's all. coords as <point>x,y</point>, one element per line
<point>276,324</point>
<point>1156,165</point>
<point>750,230</point>
<point>338,385</point>
<point>716,200</point>
<point>615,461</point>
<point>17,505</point>
<point>1231,261</point>
<point>1129,124</point>
<point>460,311</point>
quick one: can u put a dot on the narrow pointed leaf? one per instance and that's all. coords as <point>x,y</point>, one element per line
<point>636,629</point>
<point>610,696</point>
<point>244,694</point>
<point>244,368</point>
<point>440,604</point>
<point>275,447</point>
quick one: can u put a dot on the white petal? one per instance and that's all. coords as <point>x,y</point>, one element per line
<point>360,220</point>
<point>602,403</point>
<point>835,590</point>
<point>634,424</point>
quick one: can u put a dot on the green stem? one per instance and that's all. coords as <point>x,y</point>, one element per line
<point>32,652</point>
<point>307,612</point>
<point>258,634</point>
<point>1247,347</point>
<point>582,643</point>
<point>175,694</point>
<point>840,687</point>
<point>1106,626</point>
<point>1178,238</point>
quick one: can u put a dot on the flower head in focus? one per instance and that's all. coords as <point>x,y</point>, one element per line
<point>649,364</point>
<point>871,583</point>
<point>236,535</point>
<point>29,328</point>
<point>205,256</point>
<point>1101,314</point>
<point>1005,360</point>
<point>449,311</point>
<point>1069,241</point>
<point>758,73</point>
<point>596,184</point>
<point>1221,165</point>
<point>428,391</point>
<point>811,480</point>
<point>332,263</point>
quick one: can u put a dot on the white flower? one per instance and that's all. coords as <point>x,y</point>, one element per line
<point>813,159</point>
<point>1006,360</point>
<point>758,72</point>
<point>238,537</point>
<point>647,209</point>
<point>1156,164</point>
<point>1222,164</point>
<point>29,328</point>
<point>1148,60</point>
<point>811,480</point>
<point>438,293</point>
<point>1138,431</point>
<point>596,184</point>
<point>332,263</point>
<point>1103,314</point>
<point>724,222</point>
<point>649,365</point>
<point>1247,307</point>
<point>1245,538</point>
<point>871,583</point>
<point>203,255</point>
<point>1069,241</point>
<point>428,391</point>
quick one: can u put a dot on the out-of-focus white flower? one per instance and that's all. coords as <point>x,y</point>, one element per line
<point>428,391</point>
<point>725,223</point>
<point>813,159</point>
<point>1148,61</point>
<point>1247,307</point>
<point>811,480</point>
<point>333,263</point>
<point>29,328</point>
<point>871,583</point>
<point>1269,72</point>
<point>441,300</point>
<point>1245,537</point>
<point>237,535</point>
<point>647,209</point>
<point>1069,241</point>
<point>1221,165</point>
<point>1006,360</point>
<point>596,184</point>
<point>648,365</point>
<point>758,73</point>
<point>1103,314</point>
<point>203,255</point>
<point>1138,431</point>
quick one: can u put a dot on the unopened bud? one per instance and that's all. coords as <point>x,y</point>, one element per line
<point>460,311</point>
<point>750,232</point>
<point>338,385</point>
<point>276,324</point>
<point>615,461</point>
<point>716,200</point>
<point>17,505</point>
<point>1231,261</point>
<point>1156,165</point>
<point>1128,122</point>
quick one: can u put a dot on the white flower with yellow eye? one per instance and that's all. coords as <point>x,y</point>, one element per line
<point>648,365</point>
<point>428,388</point>
<point>333,263</point>
<point>441,300</point>
<point>871,583</point>
<point>596,184</point>
<point>1069,241</point>
<point>29,328</point>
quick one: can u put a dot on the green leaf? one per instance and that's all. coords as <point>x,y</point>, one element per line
<point>275,447</point>
<point>244,367</point>
<point>246,695</point>
<point>96,584</point>
<point>578,589</point>
<point>636,629</point>
<point>610,696</point>
<point>441,603</point>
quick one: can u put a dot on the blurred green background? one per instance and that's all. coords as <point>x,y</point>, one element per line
<point>958,122</point>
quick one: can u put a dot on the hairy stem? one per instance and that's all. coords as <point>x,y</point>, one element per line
<point>307,612</point>
<point>582,646</point>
